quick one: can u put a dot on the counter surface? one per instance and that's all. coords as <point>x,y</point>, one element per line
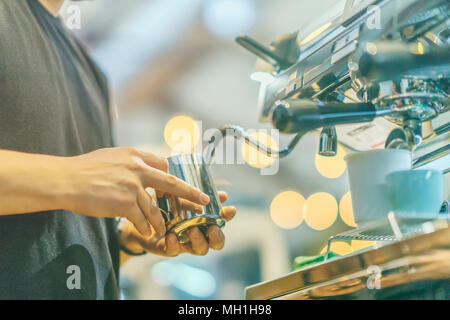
<point>417,260</point>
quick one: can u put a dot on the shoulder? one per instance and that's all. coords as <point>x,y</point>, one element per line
<point>13,11</point>
<point>15,19</point>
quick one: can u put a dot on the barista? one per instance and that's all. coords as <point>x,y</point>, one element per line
<point>62,184</point>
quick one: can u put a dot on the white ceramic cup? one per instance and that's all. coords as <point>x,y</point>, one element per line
<point>367,173</point>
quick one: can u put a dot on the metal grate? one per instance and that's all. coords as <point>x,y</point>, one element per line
<point>389,230</point>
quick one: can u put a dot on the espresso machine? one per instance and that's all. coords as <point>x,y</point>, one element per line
<point>375,75</point>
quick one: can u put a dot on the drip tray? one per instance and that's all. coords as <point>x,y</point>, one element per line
<point>390,229</point>
<point>406,262</point>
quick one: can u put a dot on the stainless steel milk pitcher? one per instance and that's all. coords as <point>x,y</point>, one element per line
<point>194,170</point>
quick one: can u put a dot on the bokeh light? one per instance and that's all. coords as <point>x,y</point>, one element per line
<point>339,247</point>
<point>320,211</point>
<point>263,77</point>
<point>256,158</point>
<point>315,33</point>
<point>346,210</point>
<point>229,18</point>
<point>286,209</point>
<point>331,167</point>
<point>192,280</point>
<point>362,244</point>
<point>182,134</point>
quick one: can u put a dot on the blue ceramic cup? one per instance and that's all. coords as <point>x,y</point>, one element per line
<point>416,193</point>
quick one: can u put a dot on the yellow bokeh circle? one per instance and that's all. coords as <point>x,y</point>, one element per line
<point>182,134</point>
<point>338,247</point>
<point>362,244</point>
<point>286,209</point>
<point>320,211</point>
<point>346,210</point>
<point>331,167</point>
<point>256,158</point>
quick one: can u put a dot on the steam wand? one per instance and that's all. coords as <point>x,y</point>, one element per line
<point>299,117</point>
<point>239,133</point>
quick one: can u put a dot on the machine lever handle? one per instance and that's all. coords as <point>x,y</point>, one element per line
<point>293,116</point>
<point>389,60</point>
<point>266,53</point>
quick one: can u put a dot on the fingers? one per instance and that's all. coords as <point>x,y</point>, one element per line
<point>228,213</point>
<point>173,247</point>
<point>159,194</point>
<point>198,242</point>
<point>190,206</point>
<point>216,238</point>
<point>223,196</point>
<point>167,246</point>
<point>170,184</point>
<point>154,161</point>
<point>151,211</point>
<point>138,218</point>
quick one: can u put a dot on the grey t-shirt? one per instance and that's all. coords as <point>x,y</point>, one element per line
<point>53,100</point>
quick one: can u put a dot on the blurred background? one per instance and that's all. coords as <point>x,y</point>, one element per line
<point>174,62</point>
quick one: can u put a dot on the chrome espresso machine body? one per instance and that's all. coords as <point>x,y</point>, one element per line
<point>376,75</point>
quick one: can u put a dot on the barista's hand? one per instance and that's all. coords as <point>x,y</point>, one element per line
<point>111,183</point>
<point>169,246</point>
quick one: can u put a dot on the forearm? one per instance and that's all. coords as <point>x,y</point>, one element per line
<point>106,183</point>
<point>31,183</point>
